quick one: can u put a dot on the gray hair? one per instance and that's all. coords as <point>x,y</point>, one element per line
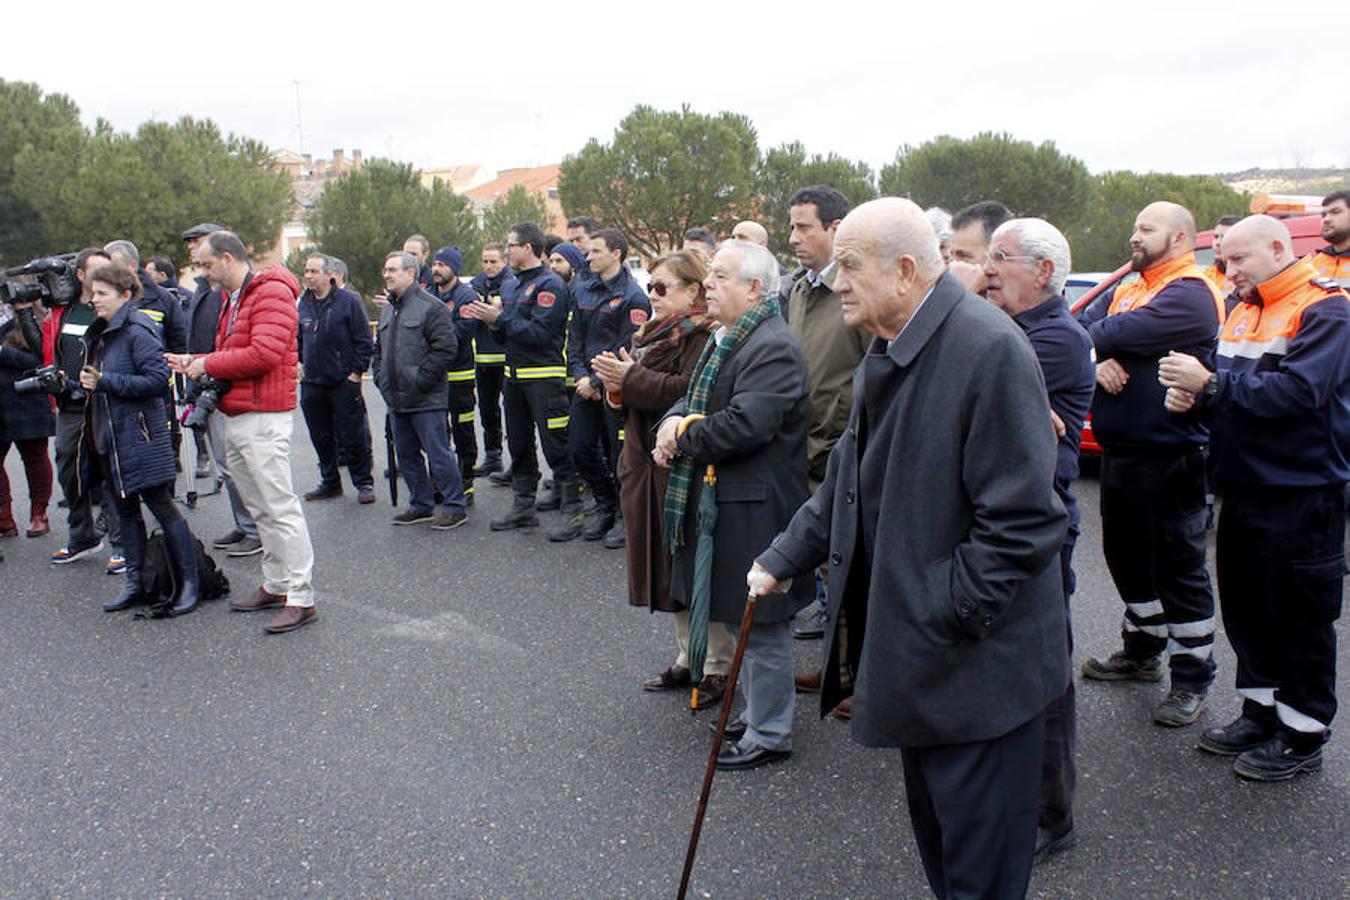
<point>1039,239</point>
<point>324,259</point>
<point>124,249</point>
<point>916,241</point>
<point>941,220</point>
<point>337,267</point>
<point>405,259</point>
<point>756,263</point>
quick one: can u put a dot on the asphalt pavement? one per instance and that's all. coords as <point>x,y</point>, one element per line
<point>465,720</point>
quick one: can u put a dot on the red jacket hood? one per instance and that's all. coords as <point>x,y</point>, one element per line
<point>274,274</point>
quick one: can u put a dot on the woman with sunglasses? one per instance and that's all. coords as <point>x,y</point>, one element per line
<point>644,383</point>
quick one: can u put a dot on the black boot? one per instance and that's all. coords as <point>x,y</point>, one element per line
<point>492,462</point>
<point>601,519</point>
<point>133,551</point>
<point>184,555</point>
<point>553,499</point>
<point>569,529</point>
<point>521,514</point>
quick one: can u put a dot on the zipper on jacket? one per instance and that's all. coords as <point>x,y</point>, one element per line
<point>117,459</point>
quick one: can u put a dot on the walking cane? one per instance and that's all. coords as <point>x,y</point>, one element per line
<point>727,698</point>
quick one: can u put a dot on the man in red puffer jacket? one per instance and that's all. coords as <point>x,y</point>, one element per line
<point>256,355</point>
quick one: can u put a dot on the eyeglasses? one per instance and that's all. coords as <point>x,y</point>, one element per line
<point>998,258</point>
<point>659,287</point>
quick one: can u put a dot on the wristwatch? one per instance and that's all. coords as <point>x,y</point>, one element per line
<point>1212,386</point>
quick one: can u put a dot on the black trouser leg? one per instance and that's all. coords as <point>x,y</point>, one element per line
<point>316,402</point>
<point>589,446</point>
<point>548,404</point>
<point>1153,535</point>
<point>1059,770</point>
<point>973,807</point>
<point>1281,564</point>
<point>520,438</point>
<point>352,428</point>
<point>490,408</point>
<point>462,401</point>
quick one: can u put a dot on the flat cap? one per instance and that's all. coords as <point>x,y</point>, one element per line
<point>201,230</point>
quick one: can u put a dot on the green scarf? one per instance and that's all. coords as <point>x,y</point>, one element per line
<point>700,388</point>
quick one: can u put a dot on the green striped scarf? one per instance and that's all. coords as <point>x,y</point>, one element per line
<point>700,388</point>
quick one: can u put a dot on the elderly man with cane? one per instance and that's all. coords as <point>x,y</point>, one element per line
<point>939,520</point>
<point>738,442</point>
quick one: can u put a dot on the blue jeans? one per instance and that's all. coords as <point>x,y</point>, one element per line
<point>419,433</point>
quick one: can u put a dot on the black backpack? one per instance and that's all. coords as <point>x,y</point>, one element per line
<point>159,581</point>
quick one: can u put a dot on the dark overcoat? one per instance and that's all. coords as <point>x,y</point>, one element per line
<point>755,434</point>
<point>955,630</point>
<point>27,417</point>
<point>129,418</point>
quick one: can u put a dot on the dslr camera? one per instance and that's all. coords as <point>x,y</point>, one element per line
<point>46,380</point>
<point>209,392</point>
<point>49,279</point>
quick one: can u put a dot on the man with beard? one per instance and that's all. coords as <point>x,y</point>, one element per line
<point>1153,490</point>
<point>1333,260</point>
<point>445,266</point>
<point>490,357</point>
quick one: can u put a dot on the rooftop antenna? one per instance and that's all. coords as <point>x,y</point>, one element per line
<point>299,127</point>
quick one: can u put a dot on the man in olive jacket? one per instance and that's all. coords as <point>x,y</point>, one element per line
<point>939,520</point>
<point>414,348</point>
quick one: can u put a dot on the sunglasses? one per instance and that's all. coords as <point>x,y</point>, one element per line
<point>659,287</point>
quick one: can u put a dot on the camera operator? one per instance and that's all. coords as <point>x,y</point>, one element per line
<point>64,346</point>
<point>203,320</point>
<point>25,420</point>
<point>255,352</point>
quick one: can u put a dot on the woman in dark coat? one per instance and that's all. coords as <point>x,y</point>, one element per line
<point>25,421</point>
<point>644,383</point>
<point>130,428</point>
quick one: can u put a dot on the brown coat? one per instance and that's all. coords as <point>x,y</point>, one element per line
<point>647,394</point>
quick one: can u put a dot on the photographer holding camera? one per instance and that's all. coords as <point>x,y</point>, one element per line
<point>129,425</point>
<point>65,347</point>
<point>256,354</point>
<point>26,420</point>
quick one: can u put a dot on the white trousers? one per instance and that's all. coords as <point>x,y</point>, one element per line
<point>258,453</point>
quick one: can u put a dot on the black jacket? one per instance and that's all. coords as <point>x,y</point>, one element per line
<point>467,330</point>
<point>755,434</point>
<point>488,347</point>
<point>414,347</point>
<point>166,311</point>
<point>939,519</point>
<point>334,337</point>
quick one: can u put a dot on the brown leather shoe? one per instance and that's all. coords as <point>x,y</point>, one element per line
<point>668,680</point>
<point>844,710</point>
<point>261,599</point>
<point>39,525</point>
<point>710,691</point>
<point>809,684</point>
<point>291,618</point>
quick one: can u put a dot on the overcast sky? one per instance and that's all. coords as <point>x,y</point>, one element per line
<point>1180,87</point>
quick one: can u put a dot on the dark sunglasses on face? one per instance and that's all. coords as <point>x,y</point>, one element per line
<point>660,287</point>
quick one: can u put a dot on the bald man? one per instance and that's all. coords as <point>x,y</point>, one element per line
<point>1153,490</point>
<point>947,629</point>
<point>1280,403</point>
<point>750,232</point>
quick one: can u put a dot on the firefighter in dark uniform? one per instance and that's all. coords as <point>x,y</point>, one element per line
<point>1280,402</point>
<point>532,323</point>
<point>1153,487</point>
<point>445,266</point>
<point>490,357</point>
<point>606,310</point>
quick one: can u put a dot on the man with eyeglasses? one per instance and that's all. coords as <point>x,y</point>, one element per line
<point>971,229</point>
<point>532,322</point>
<point>1153,478</point>
<point>832,350</point>
<point>1024,271</point>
